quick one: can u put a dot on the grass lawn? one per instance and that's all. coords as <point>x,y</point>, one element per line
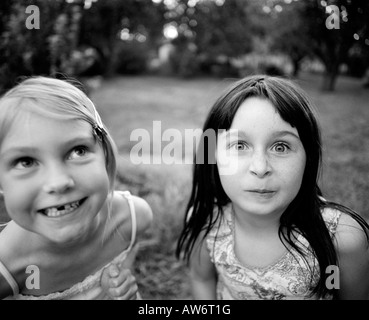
<point>129,103</point>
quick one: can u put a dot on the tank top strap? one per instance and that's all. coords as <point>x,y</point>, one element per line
<point>129,198</point>
<point>9,278</point>
<point>331,218</point>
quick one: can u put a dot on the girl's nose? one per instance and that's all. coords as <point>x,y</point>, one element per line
<point>259,165</point>
<point>58,180</point>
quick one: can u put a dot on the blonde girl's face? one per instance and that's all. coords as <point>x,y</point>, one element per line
<point>266,158</point>
<point>53,176</point>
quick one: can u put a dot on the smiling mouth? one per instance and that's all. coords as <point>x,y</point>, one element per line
<point>62,210</point>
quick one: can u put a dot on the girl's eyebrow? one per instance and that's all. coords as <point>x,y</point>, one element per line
<point>81,140</point>
<point>32,150</point>
<point>279,134</point>
<point>287,133</point>
<point>19,149</point>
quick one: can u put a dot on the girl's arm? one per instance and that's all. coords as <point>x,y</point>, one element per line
<point>5,288</point>
<point>203,275</point>
<point>353,257</point>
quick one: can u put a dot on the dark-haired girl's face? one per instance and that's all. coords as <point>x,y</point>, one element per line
<point>262,160</point>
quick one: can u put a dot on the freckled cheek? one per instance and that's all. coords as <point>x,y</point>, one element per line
<point>291,174</point>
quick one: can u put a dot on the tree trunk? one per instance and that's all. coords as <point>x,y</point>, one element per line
<point>331,74</point>
<point>296,67</point>
<point>329,81</point>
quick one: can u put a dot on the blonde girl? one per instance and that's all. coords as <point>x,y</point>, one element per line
<point>68,226</point>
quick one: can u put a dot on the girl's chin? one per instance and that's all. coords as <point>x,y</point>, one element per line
<point>260,210</point>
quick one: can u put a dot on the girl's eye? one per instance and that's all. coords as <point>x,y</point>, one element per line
<point>78,152</point>
<point>281,148</point>
<point>239,146</point>
<point>24,163</point>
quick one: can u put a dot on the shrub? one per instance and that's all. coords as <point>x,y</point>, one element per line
<point>131,57</point>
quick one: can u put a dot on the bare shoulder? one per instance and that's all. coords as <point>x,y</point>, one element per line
<point>16,248</point>
<point>353,257</point>
<point>14,240</point>
<point>201,265</point>
<point>350,236</point>
<point>142,209</point>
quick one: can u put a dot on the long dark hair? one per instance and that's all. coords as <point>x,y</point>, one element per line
<point>208,198</point>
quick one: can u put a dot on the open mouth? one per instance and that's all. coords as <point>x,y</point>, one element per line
<point>62,210</point>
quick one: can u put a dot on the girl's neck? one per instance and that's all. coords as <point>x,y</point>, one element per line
<point>258,225</point>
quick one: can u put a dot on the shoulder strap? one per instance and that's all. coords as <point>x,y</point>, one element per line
<point>9,278</point>
<point>129,198</point>
<point>331,217</point>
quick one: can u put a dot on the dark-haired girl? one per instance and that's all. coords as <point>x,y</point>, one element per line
<point>257,225</point>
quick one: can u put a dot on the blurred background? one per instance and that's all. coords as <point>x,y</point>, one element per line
<point>168,60</point>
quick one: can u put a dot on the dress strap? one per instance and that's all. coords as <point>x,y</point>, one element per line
<point>9,278</point>
<point>128,196</point>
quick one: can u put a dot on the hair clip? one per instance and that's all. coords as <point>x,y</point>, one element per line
<point>98,127</point>
<point>99,131</point>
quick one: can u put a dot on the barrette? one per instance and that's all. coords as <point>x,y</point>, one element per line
<point>98,127</point>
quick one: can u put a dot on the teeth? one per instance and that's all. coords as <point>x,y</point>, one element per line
<point>61,210</point>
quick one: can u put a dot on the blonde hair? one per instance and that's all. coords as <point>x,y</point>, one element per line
<point>58,99</point>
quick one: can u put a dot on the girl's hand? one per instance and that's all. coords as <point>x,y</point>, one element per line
<point>119,283</point>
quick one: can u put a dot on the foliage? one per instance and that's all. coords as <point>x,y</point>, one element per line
<point>80,40</point>
<point>214,31</point>
<point>290,38</point>
<point>131,57</point>
<point>184,60</point>
<point>25,52</point>
<point>222,29</point>
<point>103,34</point>
<point>72,39</point>
<point>332,46</point>
<point>309,32</point>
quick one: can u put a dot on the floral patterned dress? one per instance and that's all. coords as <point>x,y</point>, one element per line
<point>291,277</point>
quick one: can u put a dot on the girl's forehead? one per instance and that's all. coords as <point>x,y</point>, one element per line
<point>44,120</point>
<point>259,114</point>
<point>33,128</point>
